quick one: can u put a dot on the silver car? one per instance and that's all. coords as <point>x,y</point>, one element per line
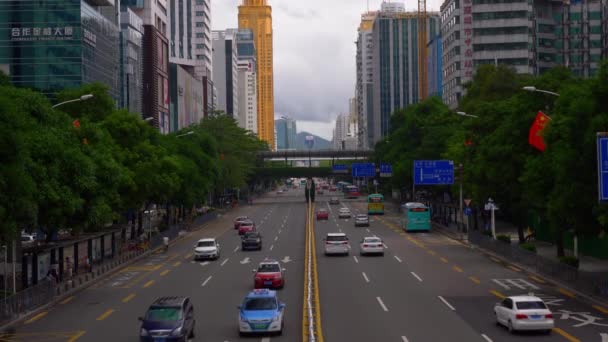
<point>361,220</point>
<point>344,213</point>
<point>371,245</point>
<point>336,243</point>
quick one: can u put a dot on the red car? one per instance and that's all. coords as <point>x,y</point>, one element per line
<point>322,214</point>
<point>239,220</point>
<point>246,226</point>
<point>269,275</point>
<point>333,188</point>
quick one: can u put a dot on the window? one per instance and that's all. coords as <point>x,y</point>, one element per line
<point>200,13</point>
<point>530,305</point>
<point>596,29</point>
<point>595,15</point>
<point>200,24</point>
<point>200,46</point>
<point>500,15</point>
<point>199,35</point>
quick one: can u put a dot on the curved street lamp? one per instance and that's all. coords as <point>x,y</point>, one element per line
<point>82,98</point>
<point>185,134</point>
<point>535,90</point>
<point>465,114</point>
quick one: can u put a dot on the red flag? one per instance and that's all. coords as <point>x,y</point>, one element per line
<point>535,138</point>
<point>468,142</point>
<point>76,123</point>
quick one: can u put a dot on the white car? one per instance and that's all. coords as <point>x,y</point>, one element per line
<point>206,249</point>
<point>524,313</point>
<point>336,243</point>
<point>361,220</point>
<point>371,245</point>
<point>344,213</point>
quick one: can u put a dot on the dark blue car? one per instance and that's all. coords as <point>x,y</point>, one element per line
<point>168,319</point>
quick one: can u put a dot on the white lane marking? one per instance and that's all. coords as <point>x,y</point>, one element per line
<point>365,277</point>
<point>224,262</point>
<point>286,259</point>
<point>404,339</point>
<point>446,303</point>
<point>276,238</point>
<point>271,247</point>
<point>486,337</point>
<point>382,304</point>
<point>236,249</point>
<point>340,230</point>
<point>356,260</point>
<point>367,229</point>
<point>266,339</point>
<point>416,276</point>
<point>204,263</point>
<point>521,284</point>
<point>245,261</point>
<point>385,246</point>
<point>396,257</point>
<point>280,231</point>
<point>206,281</point>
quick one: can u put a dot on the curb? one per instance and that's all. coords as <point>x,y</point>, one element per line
<point>589,299</point>
<point>93,280</point>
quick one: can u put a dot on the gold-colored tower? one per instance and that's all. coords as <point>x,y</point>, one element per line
<point>257,16</point>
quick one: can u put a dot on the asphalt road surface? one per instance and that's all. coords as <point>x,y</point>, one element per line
<point>426,287</point>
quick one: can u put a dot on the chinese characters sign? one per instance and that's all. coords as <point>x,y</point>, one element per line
<point>467,26</point>
<point>42,33</point>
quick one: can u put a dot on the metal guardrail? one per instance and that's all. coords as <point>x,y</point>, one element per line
<point>590,283</point>
<point>12,307</point>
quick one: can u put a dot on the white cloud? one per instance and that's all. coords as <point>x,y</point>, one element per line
<point>314,54</point>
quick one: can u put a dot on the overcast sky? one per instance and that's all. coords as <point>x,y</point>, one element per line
<point>314,55</point>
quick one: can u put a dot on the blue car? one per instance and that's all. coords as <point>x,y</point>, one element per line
<point>168,319</point>
<point>261,312</point>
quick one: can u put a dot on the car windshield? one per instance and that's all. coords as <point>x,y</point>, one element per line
<point>247,223</point>
<point>336,238</point>
<point>344,210</point>
<point>251,236</point>
<point>161,314</point>
<point>260,304</point>
<point>269,268</point>
<point>372,240</point>
<point>531,305</point>
<point>205,244</point>
<point>322,210</point>
<point>362,216</point>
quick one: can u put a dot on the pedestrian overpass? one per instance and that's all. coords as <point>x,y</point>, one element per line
<point>315,155</point>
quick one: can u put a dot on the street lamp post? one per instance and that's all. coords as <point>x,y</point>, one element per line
<point>185,134</point>
<point>465,114</point>
<point>534,89</point>
<point>82,98</point>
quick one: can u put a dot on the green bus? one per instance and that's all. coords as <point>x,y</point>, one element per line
<point>375,204</point>
<point>417,217</point>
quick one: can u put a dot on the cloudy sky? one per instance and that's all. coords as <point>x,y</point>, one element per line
<point>314,55</point>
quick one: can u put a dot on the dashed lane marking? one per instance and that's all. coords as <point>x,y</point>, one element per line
<point>566,293</point>
<point>164,273</point>
<point>457,269</point>
<point>537,279</point>
<point>475,280</point>
<point>188,256</point>
<point>446,303</point>
<point>271,247</point>
<point>128,298</point>
<point>416,276</point>
<point>224,262</point>
<point>444,260</point>
<point>36,317</point>
<point>236,249</point>
<point>600,309</point>
<point>276,238</point>
<point>513,268</point>
<point>566,335</point>
<point>148,284</point>
<point>365,277</point>
<point>177,264</point>
<point>105,314</point>
<point>498,294</point>
<point>496,260</point>
<point>76,336</point>
<point>396,257</point>
<point>207,280</point>
<point>431,252</point>
<point>404,339</point>
<point>485,337</point>
<point>382,304</point>
<point>67,300</point>
<point>356,260</point>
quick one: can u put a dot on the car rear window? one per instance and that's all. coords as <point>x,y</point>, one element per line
<point>336,238</point>
<point>160,314</point>
<point>269,268</point>
<point>205,244</point>
<point>530,305</point>
<point>251,235</point>
<point>372,240</point>
<point>260,304</point>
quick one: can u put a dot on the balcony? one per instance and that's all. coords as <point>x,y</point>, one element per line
<point>101,3</point>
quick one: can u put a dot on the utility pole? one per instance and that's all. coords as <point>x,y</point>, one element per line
<point>460,168</point>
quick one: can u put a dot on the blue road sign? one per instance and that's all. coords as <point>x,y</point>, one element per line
<point>433,172</point>
<point>602,166</point>
<point>339,168</point>
<point>364,170</point>
<point>386,170</point>
<point>467,211</point>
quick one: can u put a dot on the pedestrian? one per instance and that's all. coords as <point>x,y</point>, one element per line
<point>88,265</point>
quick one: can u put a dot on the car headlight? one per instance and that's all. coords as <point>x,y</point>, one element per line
<point>276,318</point>
<point>177,331</point>
<point>243,319</point>
<point>143,332</point>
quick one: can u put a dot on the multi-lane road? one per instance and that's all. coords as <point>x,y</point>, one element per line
<point>426,287</point>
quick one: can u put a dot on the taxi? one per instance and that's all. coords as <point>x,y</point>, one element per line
<point>261,312</point>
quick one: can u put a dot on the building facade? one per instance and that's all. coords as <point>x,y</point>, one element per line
<point>530,37</point>
<point>225,67</point>
<point>395,65</point>
<point>364,86</point>
<point>434,66</point>
<point>202,39</point>
<point>340,132</point>
<point>51,46</point>
<point>257,16</point>
<point>132,27</point>
<point>186,97</point>
<point>286,134</point>
<point>156,92</point>
<point>247,80</point>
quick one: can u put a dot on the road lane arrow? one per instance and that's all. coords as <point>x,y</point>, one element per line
<point>604,337</point>
<point>286,260</point>
<point>245,261</point>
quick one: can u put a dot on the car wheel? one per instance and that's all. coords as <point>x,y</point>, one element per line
<point>242,334</point>
<point>191,335</point>
<point>510,327</point>
<point>548,331</point>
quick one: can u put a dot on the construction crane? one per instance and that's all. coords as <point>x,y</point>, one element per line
<point>423,80</point>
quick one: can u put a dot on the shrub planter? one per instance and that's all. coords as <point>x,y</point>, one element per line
<point>504,238</point>
<point>529,247</point>
<point>570,260</point>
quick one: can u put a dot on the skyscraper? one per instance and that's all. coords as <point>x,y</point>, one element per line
<point>248,94</point>
<point>364,89</point>
<point>286,133</point>
<point>257,16</point>
<point>225,71</point>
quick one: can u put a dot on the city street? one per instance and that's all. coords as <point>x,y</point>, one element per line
<point>426,287</point>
